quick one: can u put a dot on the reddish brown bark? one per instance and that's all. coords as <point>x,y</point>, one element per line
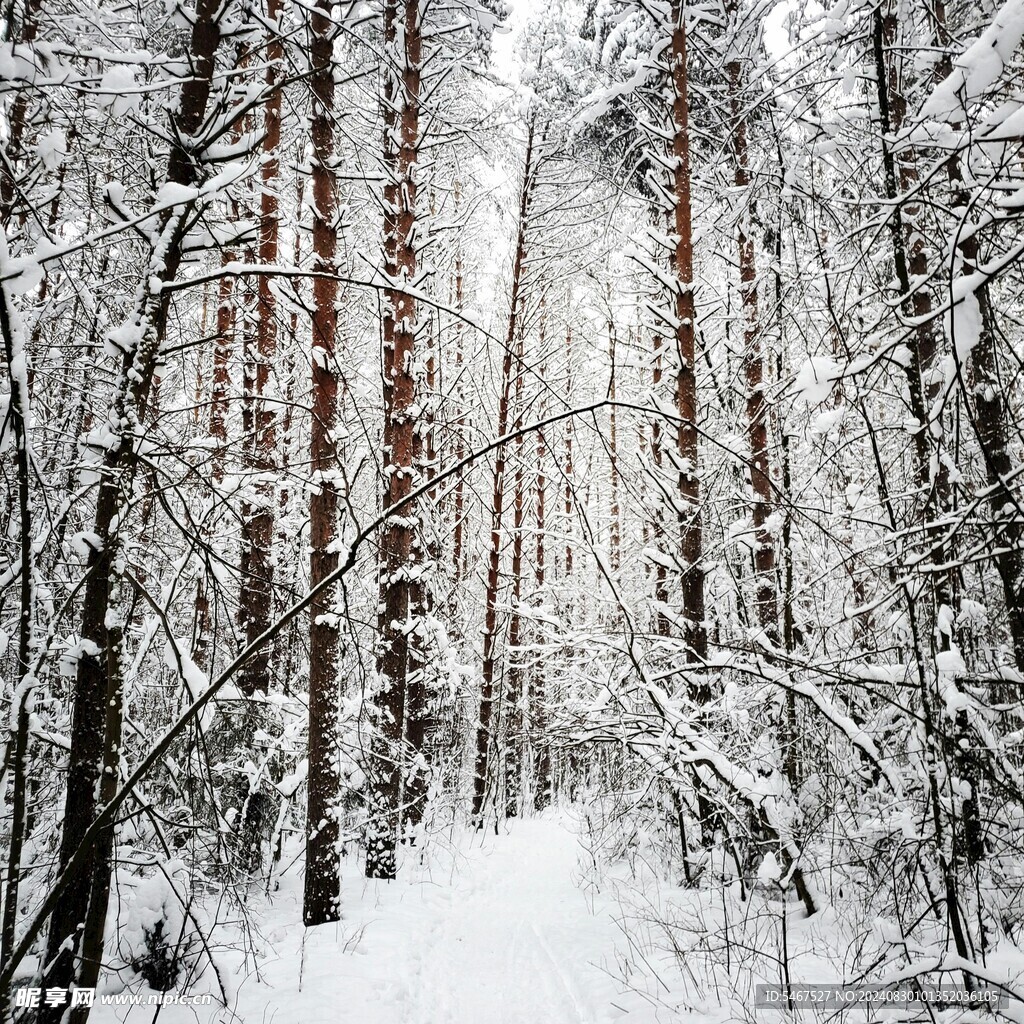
<point>538,691</point>
<point>224,342</point>
<point>766,593</point>
<point>286,643</point>
<point>615,543</point>
<point>255,599</point>
<point>692,582</point>
<point>220,386</point>
<point>568,452</point>
<point>246,319</point>
<point>661,620</point>
<point>221,378</point>
<point>541,482</point>
<point>419,714</point>
<point>541,492</point>
<point>322,892</point>
<point>204,323</point>
<point>483,732</point>
<point>458,543</point>
<point>513,655</point>
<point>399,655</point>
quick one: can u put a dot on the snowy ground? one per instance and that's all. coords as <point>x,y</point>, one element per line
<point>523,928</point>
<point>493,930</point>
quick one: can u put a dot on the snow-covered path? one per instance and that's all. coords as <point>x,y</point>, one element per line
<point>506,938</point>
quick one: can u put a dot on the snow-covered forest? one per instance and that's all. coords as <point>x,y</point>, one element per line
<point>511,512</point>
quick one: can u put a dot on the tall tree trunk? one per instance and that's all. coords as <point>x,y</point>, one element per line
<point>422,687</point>
<point>258,526</point>
<point>513,654</point>
<point>286,643</point>
<point>200,364</point>
<point>661,620</point>
<point>925,387</point>
<point>766,594</point>
<point>22,697</point>
<point>484,739</point>
<point>94,760</point>
<point>991,422</point>
<point>692,582</point>
<point>458,392</point>
<point>220,386</point>
<point>221,376</point>
<point>568,469</point>
<point>615,536</point>
<point>18,373</point>
<point>538,692</point>
<point>911,262</point>
<point>321,901</point>
<point>400,655</point>
<point>682,316</point>
<point>991,411</point>
<point>790,738</point>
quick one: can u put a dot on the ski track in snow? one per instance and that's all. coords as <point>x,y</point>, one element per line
<point>507,939</point>
<point>496,931</point>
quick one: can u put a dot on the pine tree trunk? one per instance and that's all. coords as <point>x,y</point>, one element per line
<point>568,469</point>
<point>513,657</point>
<point>400,655</point>
<point>458,541</point>
<point>911,263</point>
<point>538,693</point>
<point>990,417</point>
<point>692,582</point>
<point>221,376</point>
<point>483,732</point>
<point>258,526</point>
<point>991,411</point>
<point>287,642</point>
<point>911,272</point>
<point>422,684</point>
<point>661,620</point>
<point>22,697</point>
<point>18,370</point>
<point>766,595</point>
<point>220,387</point>
<point>321,901</point>
<point>615,537</point>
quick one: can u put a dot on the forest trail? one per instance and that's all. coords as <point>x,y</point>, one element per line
<point>506,936</point>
